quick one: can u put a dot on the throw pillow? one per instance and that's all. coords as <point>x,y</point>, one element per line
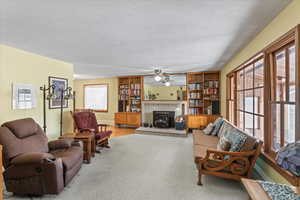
<point>217,125</point>
<point>208,129</point>
<point>237,140</point>
<point>223,144</point>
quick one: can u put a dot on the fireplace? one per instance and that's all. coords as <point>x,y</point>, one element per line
<point>163,119</point>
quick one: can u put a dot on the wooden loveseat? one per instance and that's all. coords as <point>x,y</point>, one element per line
<point>226,164</point>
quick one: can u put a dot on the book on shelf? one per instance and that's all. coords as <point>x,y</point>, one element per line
<point>195,95</point>
<point>195,102</point>
<point>135,92</point>
<point>135,109</point>
<point>211,84</point>
<point>194,111</point>
<point>135,101</point>
<point>135,86</point>
<point>210,91</point>
<point>195,86</point>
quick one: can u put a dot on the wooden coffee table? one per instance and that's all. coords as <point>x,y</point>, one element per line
<point>89,145</point>
<point>256,192</point>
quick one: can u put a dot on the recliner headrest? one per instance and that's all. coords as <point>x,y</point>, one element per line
<point>22,128</point>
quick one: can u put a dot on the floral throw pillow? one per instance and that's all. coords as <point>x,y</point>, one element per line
<point>237,140</point>
<point>279,191</point>
<point>223,144</point>
<point>208,129</point>
<point>217,125</point>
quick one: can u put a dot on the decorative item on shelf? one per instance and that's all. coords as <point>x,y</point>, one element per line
<point>151,96</point>
<point>47,97</point>
<point>60,84</point>
<point>146,124</point>
<point>180,122</point>
<point>65,95</point>
<point>180,94</point>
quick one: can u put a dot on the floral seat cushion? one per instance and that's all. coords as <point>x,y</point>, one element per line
<point>279,191</point>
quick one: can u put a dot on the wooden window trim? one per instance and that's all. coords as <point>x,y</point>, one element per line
<point>289,42</point>
<point>267,155</point>
<point>95,84</point>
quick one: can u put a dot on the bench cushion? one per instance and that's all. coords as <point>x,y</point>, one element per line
<point>206,140</point>
<point>200,151</point>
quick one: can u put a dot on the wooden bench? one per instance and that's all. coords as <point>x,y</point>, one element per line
<point>225,164</point>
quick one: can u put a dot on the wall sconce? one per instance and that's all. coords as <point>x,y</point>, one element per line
<point>48,97</point>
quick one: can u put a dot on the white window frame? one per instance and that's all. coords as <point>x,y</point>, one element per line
<point>95,107</point>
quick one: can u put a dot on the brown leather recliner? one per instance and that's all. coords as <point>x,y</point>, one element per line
<point>32,165</point>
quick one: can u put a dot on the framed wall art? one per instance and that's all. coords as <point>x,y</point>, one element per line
<point>23,97</point>
<point>60,84</point>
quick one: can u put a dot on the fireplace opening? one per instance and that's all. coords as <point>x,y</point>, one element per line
<point>164,119</point>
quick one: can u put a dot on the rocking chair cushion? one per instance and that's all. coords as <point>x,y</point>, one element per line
<point>103,134</point>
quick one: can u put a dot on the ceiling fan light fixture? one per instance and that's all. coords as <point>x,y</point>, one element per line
<point>157,78</point>
<point>167,83</point>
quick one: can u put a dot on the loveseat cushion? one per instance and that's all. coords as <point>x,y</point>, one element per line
<point>200,138</point>
<point>70,157</point>
<point>22,128</point>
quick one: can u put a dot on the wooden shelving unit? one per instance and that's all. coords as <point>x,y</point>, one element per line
<point>130,93</point>
<point>130,101</point>
<point>203,92</point>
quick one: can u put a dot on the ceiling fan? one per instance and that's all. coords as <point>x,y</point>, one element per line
<point>162,77</point>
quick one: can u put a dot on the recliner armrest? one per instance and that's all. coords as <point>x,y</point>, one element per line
<point>60,144</point>
<point>31,158</point>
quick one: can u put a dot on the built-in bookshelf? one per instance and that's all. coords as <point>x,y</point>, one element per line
<point>130,94</point>
<point>203,92</point>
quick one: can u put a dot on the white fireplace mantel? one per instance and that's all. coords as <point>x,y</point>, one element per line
<point>164,102</point>
<point>149,106</point>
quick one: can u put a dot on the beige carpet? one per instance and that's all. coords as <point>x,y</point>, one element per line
<point>146,167</point>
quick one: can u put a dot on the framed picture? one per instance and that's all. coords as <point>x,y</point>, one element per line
<point>24,96</point>
<point>60,84</point>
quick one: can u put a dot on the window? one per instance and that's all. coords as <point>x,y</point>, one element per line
<point>95,97</point>
<point>250,97</point>
<point>231,98</point>
<point>283,103</point>
<point>266,99</point>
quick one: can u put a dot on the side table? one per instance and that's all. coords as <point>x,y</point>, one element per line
<point>88,139</point>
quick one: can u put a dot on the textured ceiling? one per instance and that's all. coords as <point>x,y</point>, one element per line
<point>119,37</point>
